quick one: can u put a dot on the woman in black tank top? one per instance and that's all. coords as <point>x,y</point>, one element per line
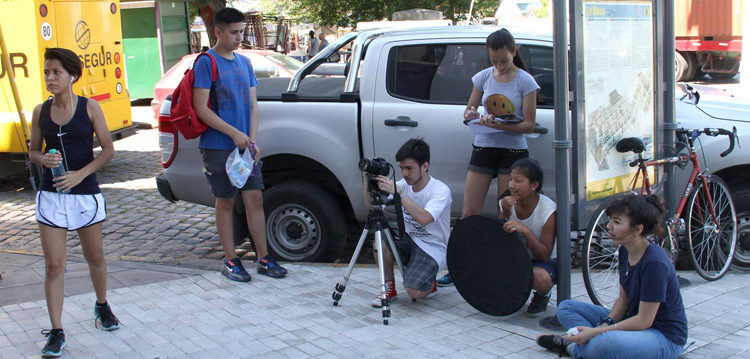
<point>67,123</point>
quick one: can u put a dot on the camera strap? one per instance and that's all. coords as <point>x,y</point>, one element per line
<point>399,214</point>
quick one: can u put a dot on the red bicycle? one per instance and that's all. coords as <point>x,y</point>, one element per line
<point>708,229</point>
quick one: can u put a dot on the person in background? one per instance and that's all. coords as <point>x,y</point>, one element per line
<point>313,45</point>
<point>648,318</point>
<point>323,41</point>
<point>66,123</point>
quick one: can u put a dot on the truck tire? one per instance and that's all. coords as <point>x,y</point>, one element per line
<point>692,65</point>
<point>680,67</point>
<point>304,222</point>
<point>741,260</point>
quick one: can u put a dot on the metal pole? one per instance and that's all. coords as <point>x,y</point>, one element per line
<point>471,9</point>
<point>12,78</point>
<point>667,85</point>
<point>562,145</point>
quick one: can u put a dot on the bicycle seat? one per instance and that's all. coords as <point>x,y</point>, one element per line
<point>630,144</point>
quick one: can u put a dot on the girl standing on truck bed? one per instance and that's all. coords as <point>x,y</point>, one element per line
<point>510,93</point>
<point>73,200</point>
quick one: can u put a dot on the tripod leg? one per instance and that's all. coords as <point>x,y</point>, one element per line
<point>384,301</point>
<point>340,287</point>
<point>394,250</point>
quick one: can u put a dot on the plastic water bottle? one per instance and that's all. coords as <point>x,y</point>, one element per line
<point>58,171</point>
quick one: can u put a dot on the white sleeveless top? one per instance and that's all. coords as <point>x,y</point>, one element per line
<point>544,208</point>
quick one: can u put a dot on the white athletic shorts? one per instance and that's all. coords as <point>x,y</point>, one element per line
<point>70,211</point>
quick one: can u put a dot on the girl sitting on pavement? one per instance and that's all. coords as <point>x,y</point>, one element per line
<point>533,215</point>
<point>72,201</point>
<point>648,318</point>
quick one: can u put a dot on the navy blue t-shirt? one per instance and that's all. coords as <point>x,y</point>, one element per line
<point>653,279</point>
<point>233,84</point>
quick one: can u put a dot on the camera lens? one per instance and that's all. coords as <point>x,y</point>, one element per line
<point>365,164</point>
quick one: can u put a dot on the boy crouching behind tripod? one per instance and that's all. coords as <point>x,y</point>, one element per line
<point>426,204</point>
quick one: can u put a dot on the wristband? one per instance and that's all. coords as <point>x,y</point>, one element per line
<point>609,321</point>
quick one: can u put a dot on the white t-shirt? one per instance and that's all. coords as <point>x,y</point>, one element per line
<point>435,198</point>
<point>544,208</point>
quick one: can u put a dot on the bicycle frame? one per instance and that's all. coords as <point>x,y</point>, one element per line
<point>694,175</point>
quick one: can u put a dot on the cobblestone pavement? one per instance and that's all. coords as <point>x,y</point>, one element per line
<point>141,225</point>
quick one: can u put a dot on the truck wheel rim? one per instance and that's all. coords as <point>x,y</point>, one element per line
<point>294,231</point>
<point>742,252</point>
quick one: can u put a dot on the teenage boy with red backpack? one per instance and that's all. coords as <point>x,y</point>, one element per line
<point>235,125</point>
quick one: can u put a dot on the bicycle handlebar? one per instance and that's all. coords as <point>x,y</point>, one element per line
<point>694,133</point>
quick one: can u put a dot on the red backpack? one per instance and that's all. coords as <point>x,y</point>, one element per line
<point>182,114</point>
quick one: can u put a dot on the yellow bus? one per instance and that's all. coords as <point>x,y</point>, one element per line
<point>92,29</point>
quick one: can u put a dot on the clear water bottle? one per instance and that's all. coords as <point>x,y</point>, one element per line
<point>58,171</point>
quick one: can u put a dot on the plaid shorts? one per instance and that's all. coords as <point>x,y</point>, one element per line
<point>421,269</point>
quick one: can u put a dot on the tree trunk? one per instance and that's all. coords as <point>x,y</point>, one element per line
<point>207,10</point>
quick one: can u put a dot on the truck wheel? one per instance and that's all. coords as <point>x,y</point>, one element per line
<point>680,67</point>
<point>741,260</point>
<point>303,221</point>
<point>692,66</point>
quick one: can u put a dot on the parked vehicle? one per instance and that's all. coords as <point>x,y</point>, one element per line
<point>265,64</point>
<point>398,85</point>
<point>90,28</point>
<point>708,38</point>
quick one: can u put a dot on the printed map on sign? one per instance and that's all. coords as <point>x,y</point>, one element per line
<point>619,86</point>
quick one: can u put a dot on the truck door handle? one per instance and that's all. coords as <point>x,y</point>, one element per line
<point>401,121</point>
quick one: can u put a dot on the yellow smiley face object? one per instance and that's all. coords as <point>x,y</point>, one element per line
<point>499,105</point>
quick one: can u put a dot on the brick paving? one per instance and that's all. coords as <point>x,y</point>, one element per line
<point>204,315</point>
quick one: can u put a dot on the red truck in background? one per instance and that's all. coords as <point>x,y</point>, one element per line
<point>708,38</point>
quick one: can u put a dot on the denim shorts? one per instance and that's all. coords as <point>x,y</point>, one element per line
<point>550,266</point>
<point>494,160</point>
<point>214,162</point>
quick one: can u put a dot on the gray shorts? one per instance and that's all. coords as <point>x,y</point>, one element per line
<point>421,269</point>
<point>214,162</point>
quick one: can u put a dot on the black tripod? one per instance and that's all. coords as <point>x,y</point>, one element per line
<point>375,222</point>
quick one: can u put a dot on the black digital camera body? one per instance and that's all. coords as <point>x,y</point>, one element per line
<point>375,167</point>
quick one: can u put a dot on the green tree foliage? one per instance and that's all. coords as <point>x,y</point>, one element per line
<point>544,9</point>
<point>349,12</point>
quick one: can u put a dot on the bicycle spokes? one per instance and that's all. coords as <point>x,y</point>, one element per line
<point>712,236</point>
<point>601,263</point>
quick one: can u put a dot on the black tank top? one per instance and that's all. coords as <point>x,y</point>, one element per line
<point>74,141</point>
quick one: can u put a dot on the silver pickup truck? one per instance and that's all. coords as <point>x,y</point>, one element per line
<point>395,85</point>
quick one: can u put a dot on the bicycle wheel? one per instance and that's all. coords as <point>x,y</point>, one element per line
<point>711,244</point>
<point>600,262</point>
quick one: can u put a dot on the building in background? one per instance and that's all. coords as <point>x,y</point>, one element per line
<point>156,35</point>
